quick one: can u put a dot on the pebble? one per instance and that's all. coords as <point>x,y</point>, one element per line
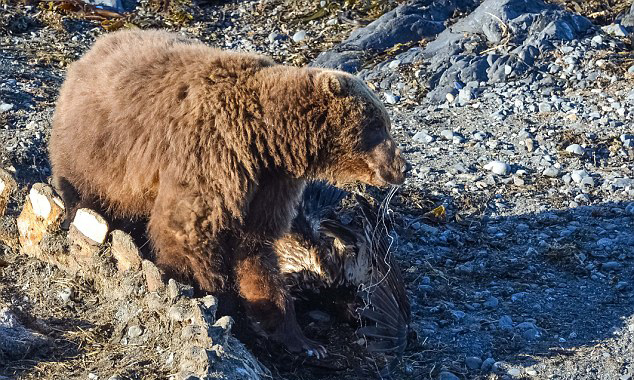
<point>583,198</point>
<point>4,107</point>
<point>611,266</point>
<point>514,372</point>
<point>465,95</point>
<point>390,98</point>
<point>65,294</point>
<point>92,376</point>
<point>597,40</point>
<point>545,107</point>
<point>135,331</point>
<point>575,149</point>
<point>447,134</point>
<point>299,36</point>
<point>605,243</point>
<point>587,181</point>
<point>498,167</point>
<point>423,137</point>
<point>457,139</point>
<point>531,372</point>
<point>479,136</point>
<point>394,64</point>
<point>528,330</point>
<point>473,362</point>
<point>615,30</point>
<point>275,37</point>
<point>446,375</point>
<point>578,175</point>
<point>506,322</point>
<point>551,171</point>
<point>487,365</point>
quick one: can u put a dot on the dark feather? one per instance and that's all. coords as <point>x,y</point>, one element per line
<point>366,254</point>
<point>318,200</point>
<point>378,332</point>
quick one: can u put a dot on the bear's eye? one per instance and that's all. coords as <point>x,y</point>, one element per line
<point>373,135</point>
<point>375,126</point>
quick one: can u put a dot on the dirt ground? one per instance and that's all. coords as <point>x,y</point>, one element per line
<point>526,276</point>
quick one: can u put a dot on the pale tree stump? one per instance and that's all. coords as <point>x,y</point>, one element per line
<point>41,215</point>
<point>125,252</point>
<point>7,187</point>
<point>86,235</point>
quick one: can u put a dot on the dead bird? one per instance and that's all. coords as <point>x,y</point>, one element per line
<point>321,252</point>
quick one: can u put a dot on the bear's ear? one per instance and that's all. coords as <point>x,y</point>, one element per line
<point>331,83</point>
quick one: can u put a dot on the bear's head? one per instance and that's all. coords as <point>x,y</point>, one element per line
<point>357,133</point>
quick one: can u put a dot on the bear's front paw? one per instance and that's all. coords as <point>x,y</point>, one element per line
<point>294,339</point>
<point>303,344</point>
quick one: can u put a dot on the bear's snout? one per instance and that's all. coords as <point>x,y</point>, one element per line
<point>389,165</point>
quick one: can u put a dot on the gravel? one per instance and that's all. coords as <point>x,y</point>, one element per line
<point>516,118</point>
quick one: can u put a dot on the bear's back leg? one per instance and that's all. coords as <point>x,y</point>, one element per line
<point>266,298</point>
<point>184,239</point>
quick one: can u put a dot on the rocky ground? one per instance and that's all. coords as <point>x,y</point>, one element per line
<point>517,117</point>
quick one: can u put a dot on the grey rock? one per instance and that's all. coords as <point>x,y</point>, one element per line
<point>615,30</point>
<point>408,22</point>
<point>116,5</point>
<point>473,362</point>
<point>135,331</point>
<point>578,175</point>
<point>514,372</point>
<point>545,107</point>
<point>587,181</point>
<point>611,266</point>
<point>16,341</point>
<point>498,167</point>
<point>4,107</point>
<point>423,137</point>
<point>390,98</point>
<point>491,302</point>
<point>447,134</point>
<point>605,243</point>
<point>551,171</point>
<point>505,322</point>
<point>575,149</point>
<point>299,36</point>
<point>479,136</point>
<point>445,375</point>
<point>528,330</point>
<point>487,365</point>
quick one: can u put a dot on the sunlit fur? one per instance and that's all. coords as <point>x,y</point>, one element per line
<point>214,148</point>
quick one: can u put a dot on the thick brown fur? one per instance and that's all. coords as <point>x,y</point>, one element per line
<point>214,148</point>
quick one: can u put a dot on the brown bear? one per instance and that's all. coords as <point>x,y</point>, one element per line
<point>214,148</point>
